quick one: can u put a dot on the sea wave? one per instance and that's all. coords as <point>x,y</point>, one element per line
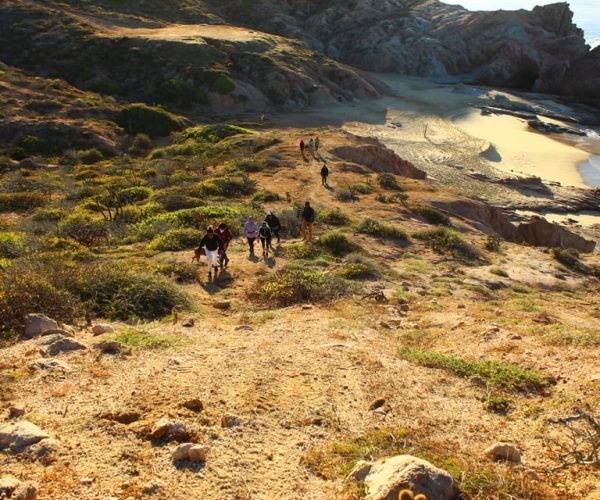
<point>594,42</point>
<point>592,134</point>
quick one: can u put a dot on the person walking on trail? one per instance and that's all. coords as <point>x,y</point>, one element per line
<point>251,233</point>
<point>226,236</point>
<point>265,235</point>
<point>308,219</point>
<point>311,147</point>
<point>317,144</point>
<point>302,147</point>
<point>211,243</point>
<point>275,226</point>
<point>324,174</point>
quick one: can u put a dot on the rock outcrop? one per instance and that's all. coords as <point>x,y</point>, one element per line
<point>19,435</point>
<point>385,479</point>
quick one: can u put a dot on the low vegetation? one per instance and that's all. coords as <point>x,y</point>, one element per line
<point>492,373</point>
<point>431,215</point>
<point>381,230</point>
<point>337,243</point>
<point>447,241</point>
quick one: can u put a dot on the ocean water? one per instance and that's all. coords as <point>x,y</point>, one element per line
<point>587,12</point>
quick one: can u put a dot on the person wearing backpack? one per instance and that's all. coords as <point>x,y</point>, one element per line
<point>324,174</point>
<point>265,235</point>
<point>251,233</point>
<point>308,219</point>
<point>211,243</point>
<point>226,237</point>
<point>275,225</point>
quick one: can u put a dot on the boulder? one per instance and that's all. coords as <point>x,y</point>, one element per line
<point>503,451</point>
<point>99,329</point>
<point>19,435</point>
<point>385,479</point>
<point>222,304</point>
<point>63,344</point>
<point>37,324</point>
<point>188,322</point>
<point>112,347</point>
<point>16,411</point>
<point>25,491</point>
<point>49,364</point>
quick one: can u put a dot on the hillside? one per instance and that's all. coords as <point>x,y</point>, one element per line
<point>285,356</point>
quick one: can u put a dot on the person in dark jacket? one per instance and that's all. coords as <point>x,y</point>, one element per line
<point>302,147</point>
<point>308,219</point>
<point>274,224</point>
<point>211,243</point>
<point>226,237</point>
<point>265,235</point>
<point>324,174</point>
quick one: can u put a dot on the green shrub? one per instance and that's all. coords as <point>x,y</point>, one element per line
<point>182,272</point>
<point>389,182</point>
<point>361,188</point>
<point>177,239</point>
<point>90,156</point>
<point>346,194</point>
<point>333,217</point>
<point>20,202</point>
<point>266,197</point>
<point>493,243</point>
<point>499,272</point>
<point>337,244</point>
<point>30,144</point>
<point>147,340</point>
<point>493,373</point>
<point>496,404</point>
<point>398,197</point>
<point>444,240</point>
<point>222,85</point>
<point>140,118</point>
<point>381,230</point>
<point>172,199</point>
<point>569,257</point>
<point>431,215</point>
<point>228,186</point>
<point>290,223</point>
<point>303,251</point>
<point>12,245</point>
<point>358,271</point>
<point>118,291</point>
<point>84,228</point>
<point>140,145</point>
<point>294,286</point>
<point>251,164</point>
<point>179,92</point>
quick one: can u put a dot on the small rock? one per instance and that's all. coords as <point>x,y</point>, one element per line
<point>222,304</point>
<point>64,344</point>
<point>384,324</point>
<point>16,411</point>
<point>43,450</point>
<point>123,417</point>
<point>197,453</point>
<point>8,484</point>
<point>476,380</point>
<point>49,364</point>
<point>503,451</point>
<point>230,421</point>
<point>86,481</point>
<point>37,324</point>
<point>167,430</point>
<point>19,435</point>
<point>153,487</point>
<point>25,491</point>
<point>531,475</point>
<point>188,322</point>
<point>307,306</point>
<point>378,403</point>
<point>516,337</point>
<point>112,347</point>
<point>100,328</point>
<point>244,328</point>
<point>194,404</point>
<point>182,452</point>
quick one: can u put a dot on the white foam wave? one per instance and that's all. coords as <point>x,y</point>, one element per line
<point>592,134</point>
<point>594,42</point>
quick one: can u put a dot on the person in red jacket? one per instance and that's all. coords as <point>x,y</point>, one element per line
<point>226,237</point>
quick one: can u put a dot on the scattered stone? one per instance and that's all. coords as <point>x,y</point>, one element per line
<point>19,435</point>
<point>516,337</point>
<point>8,484</point>
<point>386,325</point>
<point>462,306</point>
<point>37,324</point>
<point>229,421</point>
<point>194,404</point>
<point>222,304</point>
<point>244,328</point>
<point>25,491</point>
<point>43,450</point>
<point>531,475</point>
<point>188,322</point>
<point>167,430</point>
<point>503,451</point>
<point>190,451</point>
<point>46,340</point>
<point>100,328</point>
<point>49,364</point>
<point>112,347</point>
<point>86,481</point>
<point>16,411</point>
<point>153,487</point>
<point>123,417</point>
<point>385,479</point>
<point>64,344</point>
<point>378,403</point>
<point>307,306</point>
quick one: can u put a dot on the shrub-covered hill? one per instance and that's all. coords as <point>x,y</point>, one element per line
<point>182,66</point>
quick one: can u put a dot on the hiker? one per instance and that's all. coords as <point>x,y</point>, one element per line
<point>275,225</point>
<point>302,147</point>
<point>264,233</point>
<point>251,233</point>
<point>311,147</point>
<point>324,174</point>
<point>226,237</point>
<point>317,144</point>
<point>308,219</point>
<point>211,243</point>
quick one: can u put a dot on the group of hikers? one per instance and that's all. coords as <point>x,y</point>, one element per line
<point>312,147</point>
<point>215,242</point>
